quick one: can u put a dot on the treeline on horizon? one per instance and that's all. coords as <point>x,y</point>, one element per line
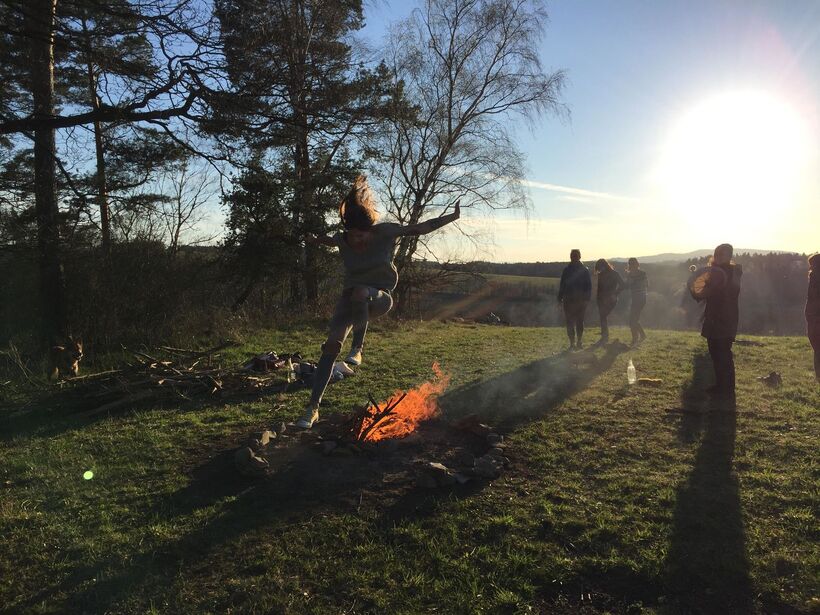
<point>772,299</point>
<point>553,269</point>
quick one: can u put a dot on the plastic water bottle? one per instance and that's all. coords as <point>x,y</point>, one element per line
<point>631,374</point>
<point>291,371</point>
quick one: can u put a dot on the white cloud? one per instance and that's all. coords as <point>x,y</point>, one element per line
<point>577,192</point>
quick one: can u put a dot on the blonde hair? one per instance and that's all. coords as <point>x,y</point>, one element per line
<point>358,209</point>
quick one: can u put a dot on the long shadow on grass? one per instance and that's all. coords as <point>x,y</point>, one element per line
<point>706,568</point>
<point>527,393</point>
<point>241,514</point>
<point>304,485</point>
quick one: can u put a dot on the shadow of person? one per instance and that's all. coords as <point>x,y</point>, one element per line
<point>706,569</point>
<point>303,483</point>
<point>527,393</point>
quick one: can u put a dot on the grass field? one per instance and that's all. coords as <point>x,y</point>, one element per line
<point>613,503</point>
<point>547,284</point>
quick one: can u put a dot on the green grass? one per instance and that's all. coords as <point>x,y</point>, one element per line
<point>612,503</point>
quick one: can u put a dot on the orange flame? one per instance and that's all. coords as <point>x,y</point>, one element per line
<point>419,405</point>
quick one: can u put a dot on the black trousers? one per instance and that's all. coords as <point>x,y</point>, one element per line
<point>604,310</point>
<point>635,310</point>
<point>724,362</point>
<point>574,313</point>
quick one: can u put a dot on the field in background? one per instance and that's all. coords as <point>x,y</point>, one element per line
<point>619,499</point>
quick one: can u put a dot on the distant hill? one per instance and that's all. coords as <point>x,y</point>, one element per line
<point>667,257</point>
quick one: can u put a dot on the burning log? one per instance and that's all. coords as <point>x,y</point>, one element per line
<point>376,416</point>
<point>374,422</point>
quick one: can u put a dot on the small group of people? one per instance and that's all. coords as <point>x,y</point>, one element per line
<point>367,249</point>
<point>575,293</point>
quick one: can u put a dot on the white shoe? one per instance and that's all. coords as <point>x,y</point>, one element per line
<point>310,416</point>
<point>354,357</point>
<point>343,368</point>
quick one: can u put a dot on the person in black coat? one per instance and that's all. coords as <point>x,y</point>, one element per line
<point>720,319</point>
<point>638,285</point>
<point>610,284</point>
<point>813,310</point>
<point>574,294</point>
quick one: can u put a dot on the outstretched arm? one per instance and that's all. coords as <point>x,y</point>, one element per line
<point>318,240</point>
<point>428,226</point>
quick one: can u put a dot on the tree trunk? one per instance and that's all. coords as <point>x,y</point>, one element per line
<point>40,18</point>
<point>304,201</point>
<point>102,185</point>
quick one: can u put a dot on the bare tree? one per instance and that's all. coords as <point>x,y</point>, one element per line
<point>471,66</point>
<point>190,191</point>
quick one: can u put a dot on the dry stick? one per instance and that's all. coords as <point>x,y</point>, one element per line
<point>388,410</point>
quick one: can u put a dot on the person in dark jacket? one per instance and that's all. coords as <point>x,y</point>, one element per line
<point>574,293</point>
<point>610,284</point>
<point>720,320</point>
<point>813,310</point>
<point>638,285</point>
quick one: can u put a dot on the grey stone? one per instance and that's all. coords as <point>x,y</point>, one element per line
<point>494,438</point>
<point>488,467</point>
<point>306,437</point>
<point>440,472</point>
<point>461,478</point>
<point>249,464</point>
<point>265,437</point>
<point>496,453</point>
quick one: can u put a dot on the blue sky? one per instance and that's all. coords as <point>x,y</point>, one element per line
<point>634,70</point>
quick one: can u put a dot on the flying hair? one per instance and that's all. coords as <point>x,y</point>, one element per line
<point>814,262</point>
<point>358,209</point>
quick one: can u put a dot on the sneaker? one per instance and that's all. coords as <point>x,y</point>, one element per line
<point>354,357</point>
<point>310,416</point>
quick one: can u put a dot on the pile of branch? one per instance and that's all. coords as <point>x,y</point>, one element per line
<point>181,373</point>
<point>370,417</point>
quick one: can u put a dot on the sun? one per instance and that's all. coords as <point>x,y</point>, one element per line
<point>733,162</point>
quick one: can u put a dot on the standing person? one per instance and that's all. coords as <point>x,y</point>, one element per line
<point>638,285</point>
<point>610,284</point>
<point>720,320</point>
<point>574,293</point>
<point>367,251</point>
<point>813,310</point>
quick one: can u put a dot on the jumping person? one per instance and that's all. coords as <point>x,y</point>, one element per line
<point>610,284</point>
<point>720,320</point>
<point>813,310</point>
<point>574,293</point>
<point>638,285</point>
<point>367,251</point>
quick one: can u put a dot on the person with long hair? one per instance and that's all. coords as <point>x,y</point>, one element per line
<point>574,293</point>
<point>367,249</point>
<point>720,320</point>
<point>813,310</point>
<point>638,285</point>
<point>610,284</point>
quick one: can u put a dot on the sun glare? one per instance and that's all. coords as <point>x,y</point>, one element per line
<point>735,160</point>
